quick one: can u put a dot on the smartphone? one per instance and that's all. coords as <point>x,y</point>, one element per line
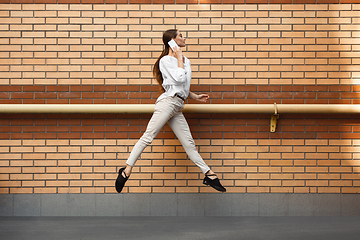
<point>173,44</point>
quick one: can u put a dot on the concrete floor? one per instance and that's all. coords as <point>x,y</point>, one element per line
<point>179,228</point>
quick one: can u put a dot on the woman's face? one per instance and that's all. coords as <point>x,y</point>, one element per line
<point>180,40</point>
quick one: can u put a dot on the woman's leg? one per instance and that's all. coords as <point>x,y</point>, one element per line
<point>181,129</point>
<point>164,110</point>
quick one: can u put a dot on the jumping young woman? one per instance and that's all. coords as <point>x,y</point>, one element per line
<point>172,70</point>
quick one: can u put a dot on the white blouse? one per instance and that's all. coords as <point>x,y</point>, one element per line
<point>175,79</point>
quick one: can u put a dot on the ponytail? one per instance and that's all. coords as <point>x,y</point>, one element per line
<point>156,70</point>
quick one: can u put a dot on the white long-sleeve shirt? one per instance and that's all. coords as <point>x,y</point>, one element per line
<point>175,79</point>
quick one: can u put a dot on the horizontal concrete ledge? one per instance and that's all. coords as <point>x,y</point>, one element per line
<point>189,108</point>
<point>179,204</point>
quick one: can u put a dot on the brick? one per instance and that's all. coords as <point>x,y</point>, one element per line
<point>11,183</point>
<point>257,190</point>
<point>21,177</point>
<point>350,190</point>
<point>69,176</point>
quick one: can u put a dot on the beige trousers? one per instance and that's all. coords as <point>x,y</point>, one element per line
<point>168,110</point>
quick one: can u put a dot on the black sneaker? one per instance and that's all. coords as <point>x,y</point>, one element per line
<point>121,180</point>
<point>215,183</point>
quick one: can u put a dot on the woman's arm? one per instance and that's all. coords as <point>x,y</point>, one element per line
<point>172,74</point>
<point>179,56</point>
<point>200,98</point>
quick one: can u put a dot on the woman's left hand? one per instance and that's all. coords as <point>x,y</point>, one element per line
<point>202,97</point>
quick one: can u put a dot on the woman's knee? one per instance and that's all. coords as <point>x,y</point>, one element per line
<point>147,138</point>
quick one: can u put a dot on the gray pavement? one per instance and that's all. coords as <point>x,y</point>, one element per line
<point>180,228</point>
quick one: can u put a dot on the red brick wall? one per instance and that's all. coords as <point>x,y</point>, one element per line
<point>240,54</point>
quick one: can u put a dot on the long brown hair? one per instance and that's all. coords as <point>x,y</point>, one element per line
<point>167,36</point>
